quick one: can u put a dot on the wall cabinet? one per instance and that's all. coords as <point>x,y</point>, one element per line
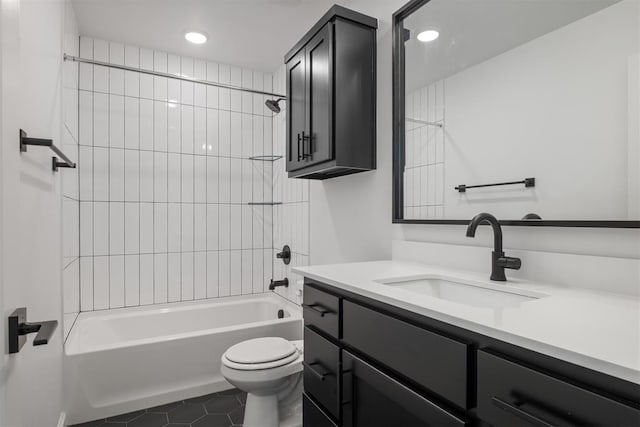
<point>370,364</point>
<point>331,89</point>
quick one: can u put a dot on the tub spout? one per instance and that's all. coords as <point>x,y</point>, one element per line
<point>274,284</point>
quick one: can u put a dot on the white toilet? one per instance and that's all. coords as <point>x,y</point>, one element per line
<point>270,371</point>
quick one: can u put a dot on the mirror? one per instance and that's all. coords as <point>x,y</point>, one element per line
<point>517,107</point>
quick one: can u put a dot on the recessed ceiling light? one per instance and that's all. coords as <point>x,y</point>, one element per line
<point>195,37</point>
<point>428,36</point>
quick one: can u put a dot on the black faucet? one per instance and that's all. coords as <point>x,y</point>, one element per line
<point>274,284</point>
<point>498,261</point>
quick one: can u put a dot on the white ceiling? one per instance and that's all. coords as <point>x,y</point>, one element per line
<point>473,31</point>
<point>250,33</point>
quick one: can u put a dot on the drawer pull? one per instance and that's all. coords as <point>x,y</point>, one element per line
<point>319,309</point>
<point>523,415</point>
<point>310,367</point>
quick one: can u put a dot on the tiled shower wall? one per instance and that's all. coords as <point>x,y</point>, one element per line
<point>291,218</point>
<point>166,180</point>
<point>69,177</point>
<point>424,142</point>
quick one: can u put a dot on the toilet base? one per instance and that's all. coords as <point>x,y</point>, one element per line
<point>264,411</point>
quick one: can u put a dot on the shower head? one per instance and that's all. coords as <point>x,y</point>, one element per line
<point>272,104</point>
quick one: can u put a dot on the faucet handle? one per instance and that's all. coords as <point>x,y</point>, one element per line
<point>510,262</point>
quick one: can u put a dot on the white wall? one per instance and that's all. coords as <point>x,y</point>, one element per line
<point>31,246</point>
<point>166,180</point>
<point>351,216</point>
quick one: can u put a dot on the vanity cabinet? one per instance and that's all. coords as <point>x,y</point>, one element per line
<point>331,88</point>
<point>371,364</point>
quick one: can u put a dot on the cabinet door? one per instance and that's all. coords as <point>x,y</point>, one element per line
<point>317,144</point>
<point>296,110</point>
<point>371,398</point>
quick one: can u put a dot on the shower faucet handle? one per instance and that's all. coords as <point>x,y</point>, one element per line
<point>285,255</point>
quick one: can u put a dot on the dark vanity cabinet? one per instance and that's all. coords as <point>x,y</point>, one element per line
<point>331,89</point>
<point>369,364</point>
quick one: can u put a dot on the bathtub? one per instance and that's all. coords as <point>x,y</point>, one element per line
<point>121,360</point>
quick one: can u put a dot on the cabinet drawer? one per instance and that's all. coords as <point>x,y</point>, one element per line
<point>437,363</point>
<point>321,369</point>
<point>322,311</point>
<point>510,394</point>
<point>374,399</point>
<point>313,416</point>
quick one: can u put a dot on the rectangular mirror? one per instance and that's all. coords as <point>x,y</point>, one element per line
<point>521,108</point>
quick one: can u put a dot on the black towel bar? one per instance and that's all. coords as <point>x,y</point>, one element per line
<point>528,182</point>
<point>55,164</point>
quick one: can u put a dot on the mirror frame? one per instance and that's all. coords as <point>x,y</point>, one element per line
<point>398,100</point>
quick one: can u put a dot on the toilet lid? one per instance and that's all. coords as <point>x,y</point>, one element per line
<point>260,350</point>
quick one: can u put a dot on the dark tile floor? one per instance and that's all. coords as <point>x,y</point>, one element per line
<point>223,409</point>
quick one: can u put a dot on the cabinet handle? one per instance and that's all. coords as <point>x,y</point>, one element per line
<point>523,415</point>
<point>299,139</point>
<point>319,375</point>
<point>304,152</point>
<point>319,309</point>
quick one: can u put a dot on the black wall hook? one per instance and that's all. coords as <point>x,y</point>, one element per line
<point>25,141</point>
<point>19,328</point>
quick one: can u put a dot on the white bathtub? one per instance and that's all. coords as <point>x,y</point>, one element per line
<point>117,361</point>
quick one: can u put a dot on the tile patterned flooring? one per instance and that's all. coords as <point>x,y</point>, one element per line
<point>223,409</point>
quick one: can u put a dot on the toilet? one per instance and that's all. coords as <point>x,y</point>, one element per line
<point>270,371</point>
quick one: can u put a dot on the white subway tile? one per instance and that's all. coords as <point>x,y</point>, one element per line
<point>187,178</point>
<point>174,227</point>
<point>224,273</point>
<point>212,179</point>
<point>116,76</point>
<point>247,275</point>
<point>146,124</point>
<point>146,279</point>
<point>131,123</point>
<point>132,280</point>
<point>224,133</point>
<point>101,228</point>
<point>187,129</point>
<point>187,87</point>
<point>116,228</point>
<point>160,177</point>
<point>200,275</point>
<point>100,120</point>
<point>174,185</point>
<point>85,118</point>
<point>132,79</point>
<point>200,179</point>
<point>160,273</point>
<point>212,133</point>
<point>132,175</point>
<point>160,83</point>
<point>247,227</point>
<point>116,281</point>
<point>257,271</point>
<point>187,227</point>
<point>213,226</point>
<point>235,227</point>
<point>224,180</point>
<point>174,264</point>
<point>267,265</point>
<point>131,228</point>
<point>174,84</point>
<point>86,283</point>
<point>212,274</point>
<point>146,176</point>
<point>101,282</point>
<point>174,131</point>
<point>224,228</point>
<point>236,180</point>
<point>235,279</point>
<point>160,128</point>
<point>257,214</point>
<point>146,228</point>
<point>246,182</point>
<point>200,131</point>
<point>187,276</point>
<point>235,139</point>
<point>116,175</point>
<point>159,227</point>
<point>85,170</point>
<point>86,228</point>
<point>200,227</point>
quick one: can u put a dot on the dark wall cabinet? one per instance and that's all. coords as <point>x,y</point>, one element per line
<point>368,364</point>
<point>331,89</point>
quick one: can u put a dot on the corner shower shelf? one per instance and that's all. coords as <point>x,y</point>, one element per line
<point>439,124</point>
<point>264,203</point>
<point>266,158</point>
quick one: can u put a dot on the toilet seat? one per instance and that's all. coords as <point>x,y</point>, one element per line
<point>261,353</point>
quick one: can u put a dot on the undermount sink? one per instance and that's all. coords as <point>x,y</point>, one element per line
<point>476,294</point>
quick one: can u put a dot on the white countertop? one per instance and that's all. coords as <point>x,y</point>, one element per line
<point>597,330</point>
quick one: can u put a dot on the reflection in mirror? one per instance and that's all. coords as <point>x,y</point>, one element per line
<point>503,91</point>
